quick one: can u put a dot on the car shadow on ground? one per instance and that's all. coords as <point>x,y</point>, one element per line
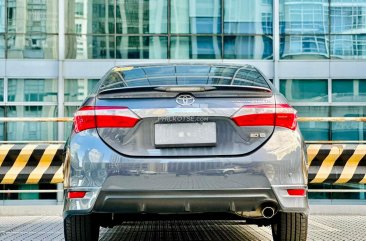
<point>186,230</point>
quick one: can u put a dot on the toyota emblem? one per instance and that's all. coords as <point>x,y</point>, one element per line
<point>185,100</point>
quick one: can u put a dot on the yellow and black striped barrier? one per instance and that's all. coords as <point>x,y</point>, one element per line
<point>42,163</point>
<point>31,163</point>
<point>337,163</point>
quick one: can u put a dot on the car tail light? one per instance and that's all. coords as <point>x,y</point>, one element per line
<point>296,192</point>
<point>74,194</point>
<point>266,115</point>
<point>89,117</point>
<point>286,116</point>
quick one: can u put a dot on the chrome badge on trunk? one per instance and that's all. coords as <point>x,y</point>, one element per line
<point>185,99</point>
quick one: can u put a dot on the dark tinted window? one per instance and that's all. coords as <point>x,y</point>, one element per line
<point>121,77</point>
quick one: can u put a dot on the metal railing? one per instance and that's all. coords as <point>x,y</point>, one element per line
<point>331,119</point>
<point>32,191</point>
<point>36,119</point>
<point>337,190</point>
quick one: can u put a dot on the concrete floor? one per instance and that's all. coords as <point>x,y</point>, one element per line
<point>321,228</point>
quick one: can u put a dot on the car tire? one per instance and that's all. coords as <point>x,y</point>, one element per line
<point>290,227</point>
<point>81,228</point>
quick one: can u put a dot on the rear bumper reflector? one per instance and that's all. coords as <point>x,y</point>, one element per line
<point>296,192</point>
<point>74,194</point>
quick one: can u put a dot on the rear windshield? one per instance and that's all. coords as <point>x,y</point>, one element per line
<point>206,75</point>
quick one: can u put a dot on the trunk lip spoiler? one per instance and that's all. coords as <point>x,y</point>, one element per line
<point>170,88</point>
<point>186,89</point>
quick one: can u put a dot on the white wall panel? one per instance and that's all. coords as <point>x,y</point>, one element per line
<point>303,69</point>
<point>97,68</point>
<point>87,69</point>
<point>348,69</point>
<point>32,68</point>
<point>2,68</point>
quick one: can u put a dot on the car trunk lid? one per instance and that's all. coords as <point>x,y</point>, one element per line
<point>208,127</point>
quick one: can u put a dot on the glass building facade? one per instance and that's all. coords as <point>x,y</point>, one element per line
<point>52,53</point>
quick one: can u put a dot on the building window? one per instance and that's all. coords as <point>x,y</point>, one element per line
<point>196,16</point>
<point>348,130</point>
<point>2,110</point>
<point>338,131</point>
<point>30,29</point>
<point>314,131</point>
<point>101,17</point>
<point>1,90</point>
<point>322,29</point>
<point>302,90</point>
<point>76,90</point>
<point>2,46</point>
<point>195,29</point>
<point>267,24</point>
<point>196,47</point>
<point>141,17</point>
<point>348,46</point>
<point>34,16</point>
<point>247,17</point>
<point>139,47</point>
<point>79,28</point>
<point>310,99</point>
<point>32,46</point>
<point>300,18</point>
<point>79,9</point>
<point>248,47</point>
<point>69,111</point>
<point>32,90</point>
<point>31,131</point>
<point>29,98</point>
<point>301,46</point>
<point>90,46</point>
<point>348,17</point>
<point>2,16</point>
<point>344,90</point>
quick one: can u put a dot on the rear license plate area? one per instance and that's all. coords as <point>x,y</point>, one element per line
<point>185,134</point>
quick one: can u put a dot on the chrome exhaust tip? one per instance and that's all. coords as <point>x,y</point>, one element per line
<point>268,212</point>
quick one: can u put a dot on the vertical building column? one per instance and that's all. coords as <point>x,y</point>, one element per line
<point>276,42</point>
<point>60,96</point>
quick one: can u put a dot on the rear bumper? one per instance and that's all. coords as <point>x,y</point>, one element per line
<point>123,184</point>
<point>247,202</point>
<point>183,201</point>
